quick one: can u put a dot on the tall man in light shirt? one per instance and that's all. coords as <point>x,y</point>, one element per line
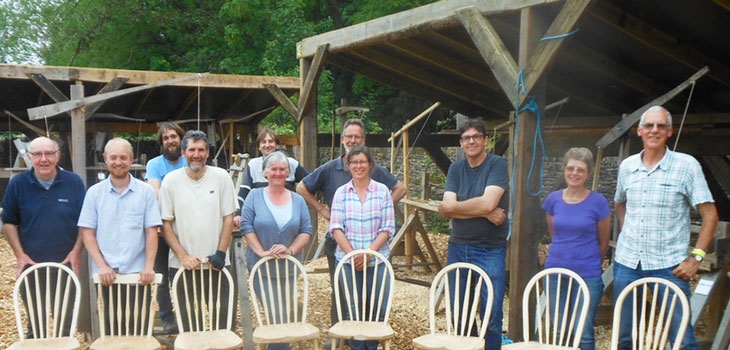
<point>654,194</point>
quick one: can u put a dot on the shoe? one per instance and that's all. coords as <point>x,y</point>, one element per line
<point>169,327</point>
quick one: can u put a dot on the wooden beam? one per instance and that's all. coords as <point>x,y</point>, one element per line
<point>283,100</point>
<point>460,104</point>
<point>113,85</point>
<point>192,97</point>
<point>649,35</point>
<point>51,90</point>
<point>138,77</point>
<point>237,101</point>
<point>545,51</point>
<point>634,117</point>
<point>404,24</point>
<point>309,85</point>
<point>492,49</point>
<point>30,126</point>
<point>61,107</point>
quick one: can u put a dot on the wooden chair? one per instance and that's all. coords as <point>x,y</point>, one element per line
<point>280,321</point>
<point>125,313</point>
<point>559,318</point>
<point>204,317</point>
<point>51,294</point>
<point>651,323</point>
<point>461,316</point>
<point>363,306</point>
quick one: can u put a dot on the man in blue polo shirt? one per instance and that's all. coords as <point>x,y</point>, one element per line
<point>40,210</point>
<point>329,177</point>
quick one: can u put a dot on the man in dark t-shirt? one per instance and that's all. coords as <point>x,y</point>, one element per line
<point>475,200</point>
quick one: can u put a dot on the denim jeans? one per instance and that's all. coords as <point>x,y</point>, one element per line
<point>595,291</point>
<point>364,314</point>
<point>273,306</point>
<point>623,276</point>
<point>491,260</point>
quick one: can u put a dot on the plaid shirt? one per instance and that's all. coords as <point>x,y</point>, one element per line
<point>656,227</point>
<point>362,221</point>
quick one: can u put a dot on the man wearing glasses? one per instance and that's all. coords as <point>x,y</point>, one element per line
<point>328,177</point>
<point>654,193</point>
<point>40,210</point>
<point>475,201</point>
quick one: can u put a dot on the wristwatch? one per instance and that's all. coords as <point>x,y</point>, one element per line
<point>698,257</point>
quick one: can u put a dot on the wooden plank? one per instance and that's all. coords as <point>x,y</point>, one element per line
<point>400,25</point>
<point>61,107</point>
<point>414,121</point>
<point>283,100</point>
<point>309,85</point>
<point>30,126</point>
<point>722,337</point>
<point>51,90</point>
<point>545,51</point>
<point>702,293</point>
<point>192,97</point>
<point>113,85</point>
<point>649,35</point>
<point>492,49</point>
<point>634,117</point>
<point>238,260</point>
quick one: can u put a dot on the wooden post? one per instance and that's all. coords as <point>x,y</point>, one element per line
<point>308,153</point>
<point>523,258</point>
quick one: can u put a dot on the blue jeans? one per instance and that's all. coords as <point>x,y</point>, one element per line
<point>623,276</point>
<point>491,260</point>
<point>364,314</point>
<point>595,291</point>
<point>273,306</point>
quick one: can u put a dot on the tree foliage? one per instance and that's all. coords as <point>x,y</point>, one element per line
<point>254,37</point>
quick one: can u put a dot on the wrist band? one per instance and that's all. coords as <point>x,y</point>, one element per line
<point>699,252</point>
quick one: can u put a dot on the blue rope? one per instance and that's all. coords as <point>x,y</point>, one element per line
<point>531,106</point>
<point>560,36</point>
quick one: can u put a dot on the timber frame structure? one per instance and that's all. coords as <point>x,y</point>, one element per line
<point>594,60</point>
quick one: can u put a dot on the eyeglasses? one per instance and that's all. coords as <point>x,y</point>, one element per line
<point>49,155</point>
<point>478,137</point>
<point>660,126</point>
<point>359,162</point>
<point>353,137</point>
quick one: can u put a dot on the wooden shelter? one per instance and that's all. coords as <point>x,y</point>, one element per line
<point>595,61</point>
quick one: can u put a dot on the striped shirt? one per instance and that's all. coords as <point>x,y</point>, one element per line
<point>656,228</point>
<point>362,221</point>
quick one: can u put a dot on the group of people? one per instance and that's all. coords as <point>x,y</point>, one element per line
<point>195,210</point>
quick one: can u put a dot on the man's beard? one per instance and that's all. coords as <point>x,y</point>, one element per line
<point>172,156</point>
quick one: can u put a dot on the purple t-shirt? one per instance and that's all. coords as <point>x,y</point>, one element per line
<point>575,236</point>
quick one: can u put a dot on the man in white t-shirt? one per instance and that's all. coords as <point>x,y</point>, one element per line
<point>197,204</point>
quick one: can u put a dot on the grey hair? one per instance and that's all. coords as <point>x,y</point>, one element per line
<point>357,122</point>
<point>656,108</point>
<point>195,135</point>
<point>580,154</point>
<point>276,157</point>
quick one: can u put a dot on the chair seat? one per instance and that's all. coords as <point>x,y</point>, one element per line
<point>126,343</point>
<point>214,340</point>
<point>533,345</point>
<point>448,342</point>
<point>358,330</point>
<point>48,343</point>
<point>285,333</point>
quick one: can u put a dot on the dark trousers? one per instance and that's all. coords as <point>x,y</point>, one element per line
<point>123,312</point>
<point>330,245</point>
<point>197,290</point>
<point>163,290</point>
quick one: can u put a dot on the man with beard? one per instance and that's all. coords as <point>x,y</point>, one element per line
<point>169,136</point>
<point>328,177</point>
<point>197,204</point>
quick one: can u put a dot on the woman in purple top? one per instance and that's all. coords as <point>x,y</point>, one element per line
<point>579,221</point>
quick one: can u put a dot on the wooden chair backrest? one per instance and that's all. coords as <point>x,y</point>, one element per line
<point>128,310</point>
<point>202,304</point>
<point>286,293</point>
<point>369,302</point>
<point>461,309</point>
<point>559,318</point>
<point>48,300</point>
<point>651,317</point>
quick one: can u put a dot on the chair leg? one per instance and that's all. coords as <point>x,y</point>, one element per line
<point>315,344</point>
<point>386,344</point>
